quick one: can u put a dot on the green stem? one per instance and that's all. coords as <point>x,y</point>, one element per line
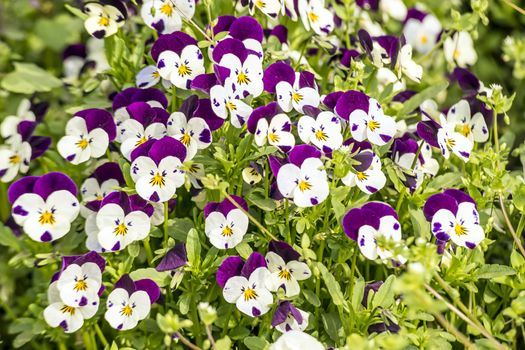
<point>287,220</point>
<point>414,162</point>
<point>149,254</point>
<point>101,335</point>
<point>516,239</point>
<point>352,272</point>
<point>166,223</point>
<point>495,130</point>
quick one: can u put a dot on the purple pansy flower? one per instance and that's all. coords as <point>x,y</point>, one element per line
<point>44,205</point>
<point>88,135</point>
<point>368,176</point>
<point>372,221</point>
<point>316,16</point>
<point>289,318</point>
<point>285,268</point>
<point>322,129</point>
<point>153,97</point>
<point>225,224</point>
<point>453,216</point>
<point>245,28</point>
<point>130,302</point>
<point>26,111</point>
<point>271,126</point>
<point>104,180</point>
<point>244,284</point>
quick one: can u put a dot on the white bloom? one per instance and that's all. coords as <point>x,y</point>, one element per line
<point>370,180</point>
<point>451,140</point>
<point>225,101</point>
<point>385,77</point>
<point>408,67</point>
<point>323,132</point>
<point>166,16</point>
<point>475,128</point>
<point>194,133</point>
<point>294,97</point>
<point>14,158</point>
<point>125,311</point>
<point>103,20</point>
<point>462,227</point>
<point>285,274</point>
<point>79,284</point>
<point>422,35</point>
<point>79,145</point>
<point>246,76</point>
<point>394,8</point>
<point>276,133</point>
<point>250,295</point>
<point>460,49</point>
<point>226,232</point>
<point>373,126</point>
<point>296,340</point>
<point>9,126</point>
<point>180,70</point>
<point>316,16</point>
<point>367,238</point>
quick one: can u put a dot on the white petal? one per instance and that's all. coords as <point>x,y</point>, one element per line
<point>287,179</point>
<point>367,242</point>
<point>233,288</point>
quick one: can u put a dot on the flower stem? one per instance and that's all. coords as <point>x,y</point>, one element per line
<point>210,336</point>
<point>453,330</point>
<point>352,273</point>
<point>515,237</point>
<point>101,335</point>
<point>186,342</point>
<point>514,6</point>
<point>147,247</point>
<point>166,207</point>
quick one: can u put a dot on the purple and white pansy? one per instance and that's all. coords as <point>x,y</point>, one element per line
<point>421,30</point>
<point>156,168</point>
<point>373,226</point>
<point>26,111</point>
<point>44,206</point>
<point>130,302</point>
<point>244,284</point>
<point>473,128</point>
<point>104,17</point>
<point>365,117</point>
<point>271,8</point>
<point>323,131</point>
<point>149,76</point>
<point>459,49</point>
<point>87,135</point>
<point>178,58</point>
<point>316,16</point>
<point>404,151</point>
<point>368,179</point>
<point>285,269</point>
<point>152,96</point>
<point>304,178</point>
<point>453,216</point>
<point>226,101</point>
<point>145,123</point>
<point>270,126</point>
<point>294,90</point>
<point>288,318</point>
<point>121,220</point>
<point>245,28</point>
<point>166,16</point>
<point>297,340</point>
<point>105,179</point>
<point>225,224</point>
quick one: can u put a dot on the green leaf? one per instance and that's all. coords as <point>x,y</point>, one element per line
<point>414,102</point>
<point>311,297</point>
<point>223,344</point>
<point>518,198</point>
<point>8,239</point>
<point>193,247</point>
<point>385,295</point>
<point>161,278</point>
<point>332,324</point>
<point>28,78</point>
<point>76,11</point>
<point>243,249</point>
<point>266,204</point>
<point>256,343</point>
<point>490,271</point>
<point>333,286</point>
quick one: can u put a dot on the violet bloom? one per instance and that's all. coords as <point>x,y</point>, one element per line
<point>104,18</point>
<point>165,16</point>
<point>453,216</point>
<point>289,318</point>
<point>294,90</point>
<point>178,58</point>
<point>156,168</point>
<point>303,179</point>
<point>121,220</point>
<point>421,30</point>
<point>285,269</point>
<point>368,175</point>
<point>323,131</point>
<point>472,127</point>
<point>19,149</point>
<point>225,224</point>
<point>367,224</point>
<point>245,28</point>
<point>153,97</point>
<point>88,135</point>
<point>45,206</point>
<point>270,126</point>
<point>365,117</point>
<point>244,284</point>
<point>130,302</point>
<point>145,123</point>
<point>104,180</point>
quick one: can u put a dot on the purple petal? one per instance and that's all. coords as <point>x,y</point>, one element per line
<point>459,196</point>
<point>39,145</point>
<point>276,73</point>
<point>301,152</point>
<point>175,258</point>
<point>263,112</point>
<point>51,182</point>
<point>437,202</point>
<point>130,95</point>
<point>109,171</point>
<point>351,101</point>
<point>125,282</point>
<point>204,82</point>
<point>331,99</point>
<point>230,267</point>
<point>99,118</point>
<point>150,287</point>
<point>255,260</point>
<point>175,42</point>
<point>246,27</point>
<point>284,250</point>
<point>427,130</point>
<point>205,111</point>
<point>226,206</point>
<point>232,46</point>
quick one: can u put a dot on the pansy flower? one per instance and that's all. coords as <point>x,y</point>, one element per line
<point>365,117</point>
<point>149,76</point>
<point>303,179</point>
<point>367,175</point>
<point>26,111</point>
<point>294,90</point>
<point>395,9</point>
<point>289,318</point>
<point>323,131</point>
<point>285,268</point>
<point>474,128</point>
<point>252,174</point>
<point>404,151</point>
<point>45,206</point>
<point>104,180</point>
<point>175,257</point>
<point>156,168</point>
<point>408,66</point>
<point>459,49</point>
<point>145,123</point>
<point>153,97</point>
<point>244,284</point>
<point>130,302</point>
<point>270,126</point>
<point>87,135</point>
<point>271,8</point>
<point>178,58</point>
<point>104,17</point>
<point>121,220</point>
<point>20,149</point>
<point>421,30</point>
<point>192,131</point>
<point>243,67</point>
<point>453,216</point>
<point>370,223</point>
<point>165,16</point>
<point>316,16</point>
<point>225,224</point>
<point>226,101</point>
<point>244,28</point>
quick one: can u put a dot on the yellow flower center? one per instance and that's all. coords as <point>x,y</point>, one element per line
<point>297,97</point>
<point>465,130</point>
<point>460,230</point>
<point>451,143</point>
<point>242,78</point>
<point>260,4</point>
<point>456,54</point>
<point>15,159</point>
<point>423,39</point>
<point>157,180</point>
<point>46,218</point>
<point>273,137</point>
<point>68,309</point>
<point>372,125</point>
<point>82,144</point>
<point>185,139</point>
<point>313,16</point>
<point>231,106</point>
<point>103,21</point>
<point>100,197</point>
<point>304,185</point>
<point>227,231</point>
<point>184,70</point>
<point>126,311</point>
<point>156,74</point>
<point>320,135</point>
<point>142,140</point>
<point>249,294</point>
<point>167,9</point>
<point>120,230</point>
<point>80,285</point>
<point>361,176</point>
<point>284,274</point>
